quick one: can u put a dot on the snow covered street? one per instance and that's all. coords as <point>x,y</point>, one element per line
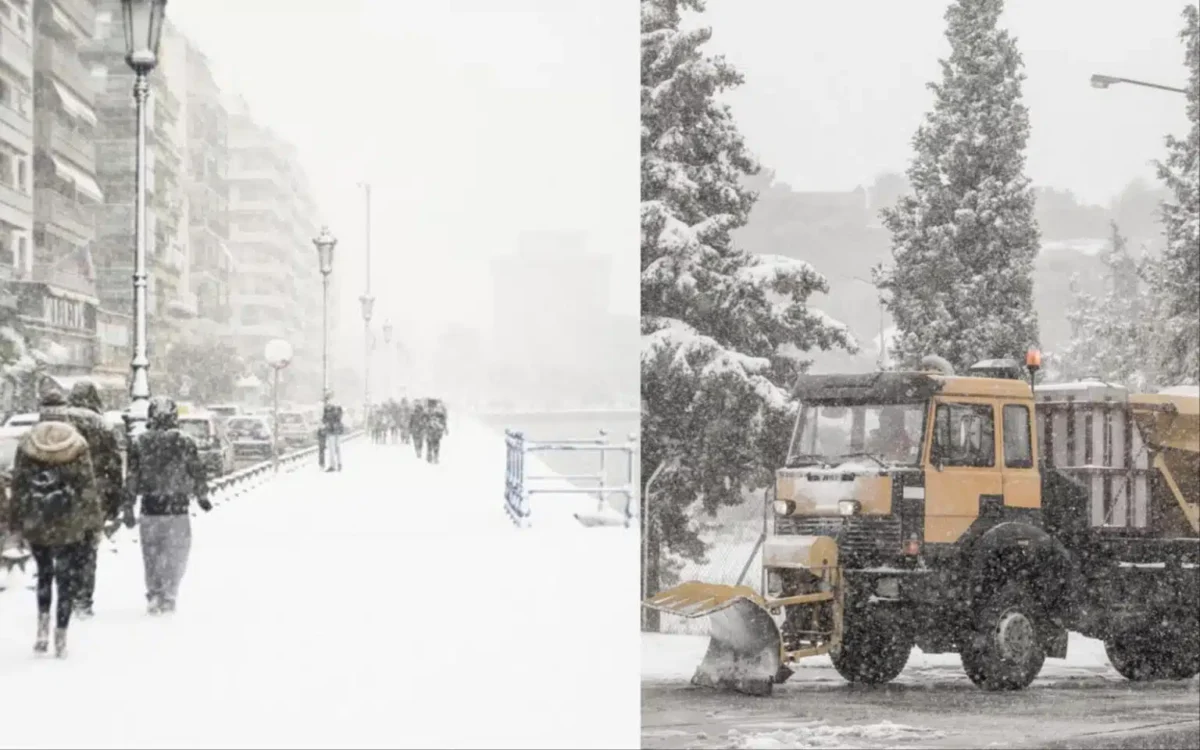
<point>932,704</point>
<point>393,604</point>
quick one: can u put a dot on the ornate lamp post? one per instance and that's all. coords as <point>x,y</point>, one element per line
<point>278,354</point>
<point>368,305</point>
<point>143,21</point>
<point>387,361</point>
<point>325,243</point>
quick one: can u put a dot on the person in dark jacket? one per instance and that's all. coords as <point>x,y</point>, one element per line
<point>55,507</point>
<point>404,412</point>
<point>165,473</point>
<point>436,425</point>
<point>331,425</point>
<point>416,425</point>
<point>82,410</point>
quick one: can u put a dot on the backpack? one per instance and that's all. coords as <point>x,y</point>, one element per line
<point>51,496</point>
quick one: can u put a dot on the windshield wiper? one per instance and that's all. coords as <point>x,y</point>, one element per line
<point>872,456</point>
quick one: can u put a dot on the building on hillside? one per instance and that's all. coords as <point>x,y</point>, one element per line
<point>168,299</point>
<point>276,292</point>
<point>209,262</point>
<point>57,299</point>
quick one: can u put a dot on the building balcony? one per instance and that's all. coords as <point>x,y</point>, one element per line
<point>62,63</point>
<point>51,207</point>
<point>70,281</point>
<point>15,51</point>
<point>16,129</point>
<point>82,12</point>
<point>76,146</point>
<point>12,202</point>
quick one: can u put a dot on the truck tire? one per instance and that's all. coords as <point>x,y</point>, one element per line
<point>1005,652</point>
<point>873,650</point>
<point>1155,654</point>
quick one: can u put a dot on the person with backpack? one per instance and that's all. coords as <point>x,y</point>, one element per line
<point>55,507</point>
<point>331,425</point>
<point>82,409</point>
<point>165,473</point>
<point>436,426</point>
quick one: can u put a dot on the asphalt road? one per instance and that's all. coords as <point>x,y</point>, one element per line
<point>934,709</point>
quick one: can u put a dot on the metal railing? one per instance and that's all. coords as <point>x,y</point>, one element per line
<point>517,489</point>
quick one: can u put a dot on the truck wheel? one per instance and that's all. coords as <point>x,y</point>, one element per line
<point>1154,655</point>
<point>873,650</point>
<point>1005,652</point>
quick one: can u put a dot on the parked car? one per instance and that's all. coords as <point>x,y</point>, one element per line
<point>295,432</point>
<point>224,412</point>
<point>216,450</point>
<point>251,438</point>
<point>28,419</point>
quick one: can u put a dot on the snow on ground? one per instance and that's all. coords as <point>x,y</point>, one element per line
<point>817,734</point>
<point>390,605</point>
<point>675,657</point>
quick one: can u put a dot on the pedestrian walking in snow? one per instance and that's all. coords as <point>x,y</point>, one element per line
<point>416,425</point>
<point>82,410</point>
<point>165,473</point>
<point>331,424</point>
<point>436,426</point>
<point>55,506</point>
<point>405,421</point>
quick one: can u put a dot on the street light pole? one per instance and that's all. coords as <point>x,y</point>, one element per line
<point>143,21</point>
<point>1102,82</point>
<point>278,354</point>
<point>325,243</point>
<point>368,304</point>
<point>882,348</point>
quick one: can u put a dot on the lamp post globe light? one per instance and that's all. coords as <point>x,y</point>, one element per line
<point>143,22</point>
<point>278,354</point>
<point>325,243</point>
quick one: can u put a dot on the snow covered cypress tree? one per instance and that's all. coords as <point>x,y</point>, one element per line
<point>964,242</point>
<point>724,332</point>
<point>1174,278</point>
<point>1110,336</point>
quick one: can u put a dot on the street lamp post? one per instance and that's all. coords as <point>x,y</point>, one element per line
<point>882,362</point>
<point>278,354</point>
<point>143,21</point>
<point>387,360</point>
<point>368,305</point>
<point>1102,82</point>
<point>325,243</point>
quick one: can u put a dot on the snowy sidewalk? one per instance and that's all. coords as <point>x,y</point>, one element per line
<point>392,604</point>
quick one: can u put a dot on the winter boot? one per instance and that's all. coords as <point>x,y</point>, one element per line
<point>167,606</point>
<point>84,611</point>
<point>60,642</point>
<point>43,634</point>
<point>153,604</point>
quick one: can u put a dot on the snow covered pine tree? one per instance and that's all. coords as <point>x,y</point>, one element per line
<point>1174,277</point>
<point>1110,336</point>
<point>963,245</point>
<point>723,331</point>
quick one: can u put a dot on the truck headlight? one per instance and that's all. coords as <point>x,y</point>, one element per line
<point>784,507</point>
<point>848,507</point>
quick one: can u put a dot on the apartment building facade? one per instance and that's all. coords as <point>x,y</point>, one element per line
<point>276,293</point>
<point>16,147</point>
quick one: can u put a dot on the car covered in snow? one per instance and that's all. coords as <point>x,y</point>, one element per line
<point>296,431</point>
<point>251,438</point>
<point>216,450</point>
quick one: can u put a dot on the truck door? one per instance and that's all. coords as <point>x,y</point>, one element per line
<point>1022,482</point>
<point>963,479</point>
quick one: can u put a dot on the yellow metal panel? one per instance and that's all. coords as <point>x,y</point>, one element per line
<point>1022,487</point>
<point>987,387</point>
<point>874,494</point>
<point>803,552</point>
<point>952,494</point>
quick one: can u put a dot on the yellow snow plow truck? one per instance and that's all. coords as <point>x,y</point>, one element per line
<point>976,514</point>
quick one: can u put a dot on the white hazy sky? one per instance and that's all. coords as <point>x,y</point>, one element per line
<point>835,90</point>
<point>472,119</point>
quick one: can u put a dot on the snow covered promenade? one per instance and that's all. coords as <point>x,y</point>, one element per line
<point>390,605</point>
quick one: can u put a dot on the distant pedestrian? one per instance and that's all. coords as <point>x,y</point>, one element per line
<point>165,473</point>
<point>333,427</point>
<point>436,426</point>
<point>405,421</point>
<point>56,507</point>
<point>416,426</point>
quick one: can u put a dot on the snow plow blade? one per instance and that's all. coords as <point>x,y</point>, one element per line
<point>745,649</point>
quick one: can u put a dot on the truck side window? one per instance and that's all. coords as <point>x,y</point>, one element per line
<point>1018,452</point>
<point>964,435</point>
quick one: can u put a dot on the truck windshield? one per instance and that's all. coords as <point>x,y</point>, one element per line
<point>887,433</point>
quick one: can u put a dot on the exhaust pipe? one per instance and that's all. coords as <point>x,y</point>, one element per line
<point>934,363</point>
